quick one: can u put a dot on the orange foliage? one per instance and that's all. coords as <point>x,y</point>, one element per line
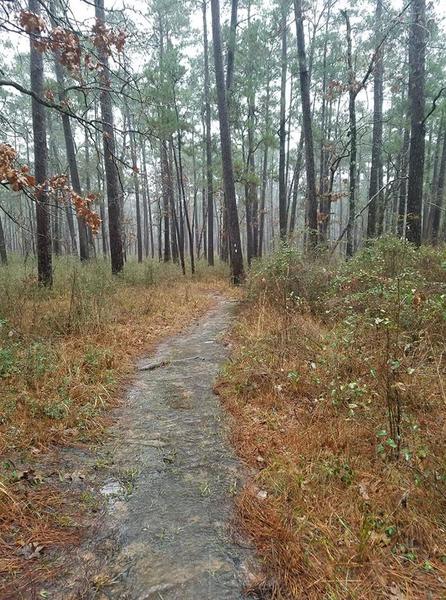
<point>18,178</point>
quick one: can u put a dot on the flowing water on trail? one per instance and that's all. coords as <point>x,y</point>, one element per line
<point>166,533</point>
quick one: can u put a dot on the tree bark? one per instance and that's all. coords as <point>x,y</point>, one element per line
<point>438,198</point>
<point>297,170</point>
<point>71,152</point>
<point>235,247</point>
<point>374,223</point>
<point>417,76</point>
<point>111,170</point>
<point>147,207</point>
<point>353,139</point>
<point>135,188</point>
<point>282,127</point>
<point>43,228</point>
<point>264,173</point>
<point>3,254</point>
<point>307,126</point>
<point>209,175</point>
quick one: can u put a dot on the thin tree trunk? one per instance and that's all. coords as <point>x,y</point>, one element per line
<point>264,174</point>
<point>374,223</point>
<point>297,170</point>
<point>353,139</point>
<point>114,194</point>
<point>282,127</point>
<point>235,247</point>
<point>136,188</point>
<point>231,49</point>
<point>417,76</point>
<point>3,254</point>
<point>147,207</point>
<point>209,175</point>
<point>324,202</point>
<point>438,198</point>
<point>71,157</point>
<point>166,185</point>
<point>43,229</point>
<point>307,125</point>
<point>183,195</point>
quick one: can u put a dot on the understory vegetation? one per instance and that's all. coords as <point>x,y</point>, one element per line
<point>64,355</point>
<point>337,385</point>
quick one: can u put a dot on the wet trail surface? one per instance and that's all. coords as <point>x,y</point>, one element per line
<point>166,534</point>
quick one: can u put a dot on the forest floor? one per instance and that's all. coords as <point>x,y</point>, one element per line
<point>336,385</point>
<point>66,357</point>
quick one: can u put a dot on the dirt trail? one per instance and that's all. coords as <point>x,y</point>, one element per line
<point>166,532</point>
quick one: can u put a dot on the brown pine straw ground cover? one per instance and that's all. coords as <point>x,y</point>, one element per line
<point>65,355</point>
<point>338,508</point>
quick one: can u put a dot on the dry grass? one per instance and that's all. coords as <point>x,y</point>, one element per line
<point>64,356</point>
<point>334,515</point>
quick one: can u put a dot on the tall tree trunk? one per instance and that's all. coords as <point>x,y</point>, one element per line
<point>231,50</point>
<point>182,193</point>
<point>296,177</point>
<point>324,201</point>
<point>3,254</point>
<point>438,198</point>
<point>402,196</point>
<point>224,245</point>
<point>417,76</point>
<point>353,139</point>
<point>135,188</point>
<point>252,198</point>
<point>90,237</point>
<point>43,228</point>
<point>282,126</point>
<point>376,205</point>
<point>307,126</point>
<point>70,150</point>
<point>166,185</point>
<point>147,207</point>
<point>264,173</point>
<point>209,176</point>
<point>111,170</point>
<point>235,246</point>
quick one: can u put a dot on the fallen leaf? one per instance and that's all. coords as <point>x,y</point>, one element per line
<point>32,550</point>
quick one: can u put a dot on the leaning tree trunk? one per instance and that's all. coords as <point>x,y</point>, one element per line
<point>376,205</point>
<point>111,168</point>
<point>307,126</point>
<point>44,258</point>
<point>417,76</point>
<point>235,246</point>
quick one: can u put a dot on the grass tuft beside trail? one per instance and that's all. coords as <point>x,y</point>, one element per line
<point>64,355</point>
<point>337,386</point>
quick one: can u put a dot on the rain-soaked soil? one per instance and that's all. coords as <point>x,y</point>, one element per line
<point>169,477</point>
